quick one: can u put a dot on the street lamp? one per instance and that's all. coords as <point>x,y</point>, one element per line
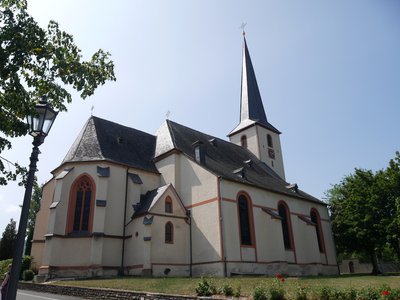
<point>40,124</point>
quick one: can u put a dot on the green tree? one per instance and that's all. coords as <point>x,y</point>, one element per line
<point>365,213</point>
<point>392,181</point>
<point>8,240</point>
<point>359,214</point>
<point>34,208</point>
<point>39,62</point>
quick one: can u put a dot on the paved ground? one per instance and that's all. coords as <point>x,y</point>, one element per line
<point>30,295</point>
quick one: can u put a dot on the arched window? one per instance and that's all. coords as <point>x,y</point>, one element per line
<point>81,206</point>
<point>283,211</point>
<point>269,141</point>
<point>243,141</point>
<point>168,205</point>
<point>318,229</point>
<point>245,221</point>
<point>169,233</point>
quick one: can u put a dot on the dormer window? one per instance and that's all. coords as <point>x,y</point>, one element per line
<point>243,141</point>
<point>199,153</point>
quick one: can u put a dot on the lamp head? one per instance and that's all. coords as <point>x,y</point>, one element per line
<point>40,123</point>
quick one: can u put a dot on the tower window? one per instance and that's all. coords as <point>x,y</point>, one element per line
<point>245,221</point>
<point>316,219</point>
<point>169,233</point>
<point>283,211</point>
<point>243,141</point>
<point>269,141</point>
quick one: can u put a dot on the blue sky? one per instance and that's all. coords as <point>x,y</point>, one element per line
<point>328,73</point>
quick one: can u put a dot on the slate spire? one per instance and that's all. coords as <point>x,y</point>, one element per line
<point>251,105</point>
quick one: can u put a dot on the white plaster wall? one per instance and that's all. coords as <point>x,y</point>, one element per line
<point>111,252</point>
<point>206,245</point>
<point>277,164</point>
<point>329,243</point>
<point>252,140</point>
<point>268,231</point>
<point>70,252</point>
<point>108,220</point>
<point>135,249</point>
<point>169,254</point>
<point>41,223</point>
<point>307,250</point>
<point>196,184</point>
<point>168,167</point>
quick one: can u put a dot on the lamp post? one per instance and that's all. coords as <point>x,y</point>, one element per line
<point>40,124</point>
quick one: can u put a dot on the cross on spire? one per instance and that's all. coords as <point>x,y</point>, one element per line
<point>242,27</point>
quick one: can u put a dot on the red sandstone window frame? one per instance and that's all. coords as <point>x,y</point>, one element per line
<point>287,233</point>
<point>318,229</point>
<point>169,233</point>
<point>168,205</point>
<point>251,234</point>
<point>87,180</point>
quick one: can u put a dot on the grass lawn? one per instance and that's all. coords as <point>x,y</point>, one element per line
<point>186,286</point>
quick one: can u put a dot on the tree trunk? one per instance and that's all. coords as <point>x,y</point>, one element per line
<point>374,260</point>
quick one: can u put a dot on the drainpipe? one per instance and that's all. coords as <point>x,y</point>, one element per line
<point>121,270</point>
<point>221,224</point>
<point>189,214</point>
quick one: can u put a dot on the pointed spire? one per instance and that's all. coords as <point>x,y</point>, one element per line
<point>251,105</point>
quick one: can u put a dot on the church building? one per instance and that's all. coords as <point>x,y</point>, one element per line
<point>181,203</point>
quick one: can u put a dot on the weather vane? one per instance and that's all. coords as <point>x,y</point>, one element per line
<point>242,27</point>
<point>167,114</point>
<point>91,109</point>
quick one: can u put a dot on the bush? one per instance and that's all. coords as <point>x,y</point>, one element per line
<point>4,266</point>
<point>276,291</point>
<point>301,293</point>
<point>205,288</point>
<point>227,290</point>
<point>367,294</point>
<point>28,275</point>
<point>260,293</point>
<point>325,293</point>
<point>237,292</point>
<point>26,265</point>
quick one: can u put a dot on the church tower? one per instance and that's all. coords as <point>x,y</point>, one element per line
<point>254,132</point>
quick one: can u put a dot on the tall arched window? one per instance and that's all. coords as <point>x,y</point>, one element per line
<point>245,221</point>
<point>81,206</point>
<point>243,141</point>
<point>169,233</point>
<point>168,205</point>
<point>283,211</point>
<point>269,141</point>
<point>318,229</point>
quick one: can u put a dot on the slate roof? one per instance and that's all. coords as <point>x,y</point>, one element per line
<point>105,140</point>
<point>251,105</point>
<point>230,161</point>
<point>148,200</point>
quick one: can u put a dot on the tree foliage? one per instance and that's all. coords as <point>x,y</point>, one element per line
<point>8,240</point>
<point>365,212</point>
<point>39,62</point>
